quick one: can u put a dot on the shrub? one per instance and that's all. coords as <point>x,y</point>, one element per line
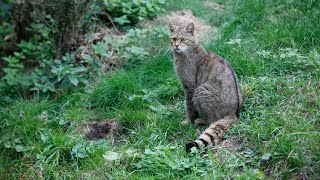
<point>39,64</point>
<point>42,72</point>
<point>31,56</point>
<point>68,20</point>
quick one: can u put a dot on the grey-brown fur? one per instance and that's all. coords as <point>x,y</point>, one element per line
<point>210,85</point>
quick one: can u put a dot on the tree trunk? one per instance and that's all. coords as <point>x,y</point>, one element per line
<point>22,10</point>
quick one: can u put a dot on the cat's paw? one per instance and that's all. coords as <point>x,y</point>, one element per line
<point>185,122</point>
<point>191,145</point>
<point>200,122</point>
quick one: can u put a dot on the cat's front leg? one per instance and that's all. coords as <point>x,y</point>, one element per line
<point>192,113</point>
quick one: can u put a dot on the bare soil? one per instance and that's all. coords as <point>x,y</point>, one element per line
<point>181,18</point>
<point>96,130</point>
<point>233,143</point>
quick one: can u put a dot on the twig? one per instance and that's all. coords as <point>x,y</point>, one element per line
<point>110,19</point>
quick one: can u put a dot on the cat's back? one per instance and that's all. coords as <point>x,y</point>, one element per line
<point>217,79</point>
<point>210,68</point>
<point>217,73</point>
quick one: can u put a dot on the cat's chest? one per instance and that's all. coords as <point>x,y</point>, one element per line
<point>186,71</point>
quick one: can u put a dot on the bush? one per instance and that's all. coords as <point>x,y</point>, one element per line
<point>31,56</point>
<point>34,68</point>
<point>39,64</point>
<point>68,21</point>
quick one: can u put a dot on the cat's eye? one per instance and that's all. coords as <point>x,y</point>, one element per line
<point>173,39</point>
<point>183,39</point>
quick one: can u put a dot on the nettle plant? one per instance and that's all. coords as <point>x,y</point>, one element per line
<point>25,67</point>
<point>127,12</point>
<point>33,66</point>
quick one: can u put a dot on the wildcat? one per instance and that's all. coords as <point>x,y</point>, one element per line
<point>210,86</point>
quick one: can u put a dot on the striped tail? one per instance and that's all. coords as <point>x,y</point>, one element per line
<point>213,134</point>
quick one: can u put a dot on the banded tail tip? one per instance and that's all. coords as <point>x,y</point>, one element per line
<point>190,145</point>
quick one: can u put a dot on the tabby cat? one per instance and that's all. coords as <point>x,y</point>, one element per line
<point>210,86</point>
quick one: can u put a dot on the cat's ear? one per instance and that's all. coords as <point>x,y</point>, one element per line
<point>172,28</point>
<point>190,28</point>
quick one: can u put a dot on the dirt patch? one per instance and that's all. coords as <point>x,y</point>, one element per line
<point>181,18</point>
<point>233,143</point>
<point>215,6</point>
<point>227,147</point>
<point>96,130</point>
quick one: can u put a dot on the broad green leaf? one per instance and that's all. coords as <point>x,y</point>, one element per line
<point>20,148</point>
<point>122,20</point>
<point>44,137</point>
<point>111,156</point>
<point>79,69</point>
<point>266,156</point>
<point>74,80</point>
<point>40,156</point>
<point>7,144</point>
<point>88,58</point>
<point>17,140</point>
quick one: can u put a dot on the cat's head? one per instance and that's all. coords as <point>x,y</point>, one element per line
<point>183,39</point>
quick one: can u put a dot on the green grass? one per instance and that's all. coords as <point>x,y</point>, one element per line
<point>279,121</point>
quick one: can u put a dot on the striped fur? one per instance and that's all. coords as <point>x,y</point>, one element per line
<point>210,86</point>
<point>213,134</point>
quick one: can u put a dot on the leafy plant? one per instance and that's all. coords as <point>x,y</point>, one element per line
<point>166,158</point>
<point>83,149</point>
<point>292,61</point>
<point>130,12</point>
<point>67,20</point>
<point>27,67</point>
<point>47,73</point>
<point>17,145</point>
<point>33,67</point>
<point>138,43</point>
